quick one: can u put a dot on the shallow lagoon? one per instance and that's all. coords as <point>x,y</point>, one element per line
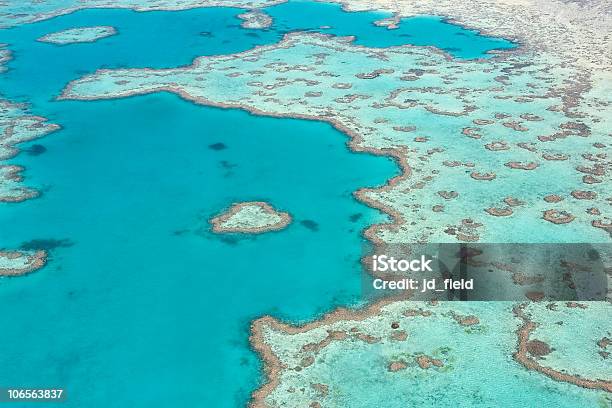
<point>140,304</point>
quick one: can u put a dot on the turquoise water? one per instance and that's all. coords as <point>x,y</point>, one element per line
<point>140,305</point>
<point>423,31</point>
<point>139,293</point>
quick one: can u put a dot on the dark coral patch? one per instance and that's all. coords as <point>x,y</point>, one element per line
<point>355,217</point>
<point>217,146</point>
<point>36,150</point>
<point>538,348</point>
<point>45,244</point>
<point>310,224</point>
<point>558,217</point>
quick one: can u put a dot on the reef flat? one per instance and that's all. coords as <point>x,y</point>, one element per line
<point>576,31</point>
<point>78,35</point>
<point>17,126</point>
<point>15,12</point>
<point>547,342</point>
<point>16,263</point>
<point>5,56</point>
<point>403,350</point>
<point>478,163</point>
<point>255,19</point>
<point>250,217</point>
